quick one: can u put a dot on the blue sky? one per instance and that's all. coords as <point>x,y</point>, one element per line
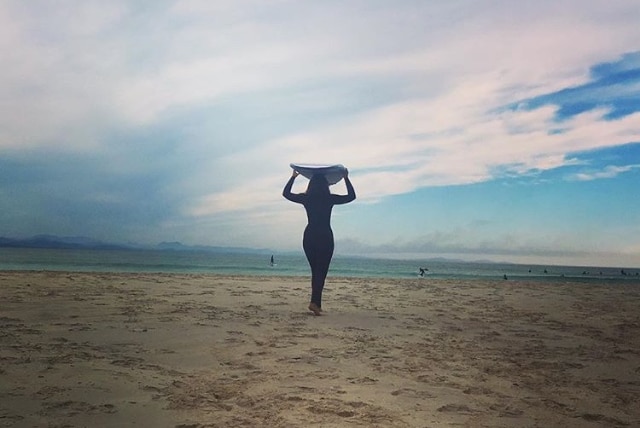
<point>476,130</point>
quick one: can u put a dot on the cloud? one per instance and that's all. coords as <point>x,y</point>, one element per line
<point>465,134</point>
<point>613,85</point>
<point>56,74</point>
<point>202,105</point>
<point>610,171</point>
<point>122,64</point>
<point>515,247</point>
<point>486,148</point>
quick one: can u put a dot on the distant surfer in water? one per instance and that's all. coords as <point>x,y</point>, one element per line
<point>317,242</point>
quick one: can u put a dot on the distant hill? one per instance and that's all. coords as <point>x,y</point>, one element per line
<point>82,242</point>
<point>59,242</point>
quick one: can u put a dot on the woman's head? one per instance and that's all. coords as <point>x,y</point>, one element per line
<point>318,185</point>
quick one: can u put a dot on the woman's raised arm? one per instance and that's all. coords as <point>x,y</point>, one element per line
<point>286,192</point>
<point>351,193</point>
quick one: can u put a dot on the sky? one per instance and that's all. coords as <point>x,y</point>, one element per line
<point>475,130</point>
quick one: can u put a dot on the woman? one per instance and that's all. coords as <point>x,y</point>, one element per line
<point>318,236</point>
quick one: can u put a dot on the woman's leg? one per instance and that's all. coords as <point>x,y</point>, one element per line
<point>319,250</point>
<point>319,275</point>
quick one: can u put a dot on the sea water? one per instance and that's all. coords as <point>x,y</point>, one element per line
<point>259,264</point>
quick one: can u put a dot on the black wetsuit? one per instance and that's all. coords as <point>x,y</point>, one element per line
<point>318,237</point>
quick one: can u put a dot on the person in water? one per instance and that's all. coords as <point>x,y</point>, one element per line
<point>317,242</point>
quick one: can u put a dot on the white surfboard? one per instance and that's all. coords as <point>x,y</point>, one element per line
<point>333,173</point>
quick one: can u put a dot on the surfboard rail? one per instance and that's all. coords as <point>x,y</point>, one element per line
<point>334,173</point>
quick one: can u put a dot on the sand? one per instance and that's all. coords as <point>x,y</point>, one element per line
<point>192,351</point>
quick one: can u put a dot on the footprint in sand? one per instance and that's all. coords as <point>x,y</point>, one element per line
<point>457,408</point>
<point>71,408</point>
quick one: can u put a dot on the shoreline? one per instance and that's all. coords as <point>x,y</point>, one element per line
<point>207,350</point>
<point>100,261</point>
<point>553,278</point>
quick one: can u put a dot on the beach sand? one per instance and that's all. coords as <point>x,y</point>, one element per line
<point>192,351</point>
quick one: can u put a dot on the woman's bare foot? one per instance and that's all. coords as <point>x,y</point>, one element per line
<point>315,309</point>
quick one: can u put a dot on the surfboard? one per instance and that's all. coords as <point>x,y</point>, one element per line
<point>333,173</point>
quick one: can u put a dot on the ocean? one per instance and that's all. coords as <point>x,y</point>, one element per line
<point>253,264</point>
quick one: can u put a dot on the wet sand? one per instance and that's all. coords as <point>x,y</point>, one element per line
<point>192,351</point>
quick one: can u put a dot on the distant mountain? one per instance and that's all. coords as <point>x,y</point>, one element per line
<point>82,242</point>
<point>60,242</point>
